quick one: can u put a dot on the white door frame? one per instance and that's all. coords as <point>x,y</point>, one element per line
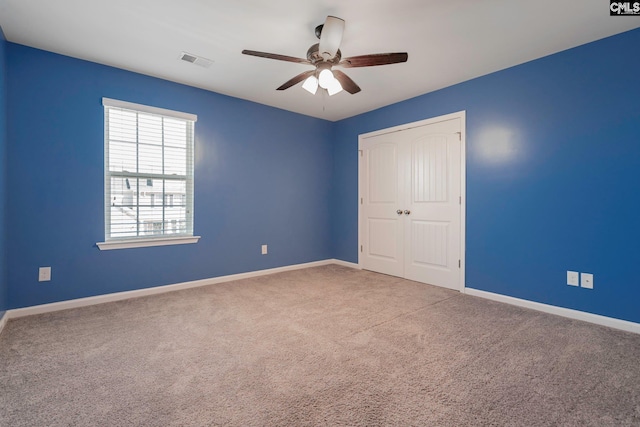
<point>463,173</point>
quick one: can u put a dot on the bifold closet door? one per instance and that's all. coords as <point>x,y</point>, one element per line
<point>432,183</point>
<point>383,197</point>
<point>411,203</point>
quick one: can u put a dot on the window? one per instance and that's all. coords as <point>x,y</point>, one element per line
<point>148,161</point>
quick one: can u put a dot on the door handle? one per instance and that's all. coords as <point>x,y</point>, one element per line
<point>399,211</point>
<point>407,212</point>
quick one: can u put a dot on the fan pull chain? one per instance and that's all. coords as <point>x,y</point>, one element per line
<point>324,99</point>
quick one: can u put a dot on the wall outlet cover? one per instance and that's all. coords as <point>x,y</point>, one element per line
<point>586,280</point>
<point>44,274</point>
<point>264,249</point>
<point>573,278</point>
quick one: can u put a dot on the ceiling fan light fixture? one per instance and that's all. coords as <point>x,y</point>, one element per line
<point>311,85</point>
<point>324,56</point>
<point>325,78</point>
<point>334,87</point>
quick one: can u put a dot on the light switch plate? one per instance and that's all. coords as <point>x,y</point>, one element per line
<point>264,249</point>
<point>586,280</point>
<point>573,278</point>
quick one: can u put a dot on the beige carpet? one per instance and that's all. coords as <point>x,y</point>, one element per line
<point>322,346</point>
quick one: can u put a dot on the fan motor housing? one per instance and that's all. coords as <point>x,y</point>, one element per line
<point>315,58</point>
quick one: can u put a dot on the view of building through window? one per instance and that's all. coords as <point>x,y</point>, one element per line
<point>150,173</point>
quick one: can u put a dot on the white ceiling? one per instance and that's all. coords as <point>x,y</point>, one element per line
<point>448,41</point>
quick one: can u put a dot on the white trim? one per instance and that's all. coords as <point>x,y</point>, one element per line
<point>3,320</point>
<point>462,115</point>
<point>116,103</point>
<point>597,319</point>
<point>420,123</point>
<point>143,243</point>
<point>360,199</point>
<point>346,264</point>
<point>463,199</point>
<point>119,296</point>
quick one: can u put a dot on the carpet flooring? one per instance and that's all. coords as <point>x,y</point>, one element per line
<point>324,346</point>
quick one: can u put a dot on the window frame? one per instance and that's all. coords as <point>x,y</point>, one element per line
<point>146,241</point>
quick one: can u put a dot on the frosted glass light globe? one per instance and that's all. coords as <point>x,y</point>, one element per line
<point>325,78</point>
<point>334,87</point>
<point>311,85</point>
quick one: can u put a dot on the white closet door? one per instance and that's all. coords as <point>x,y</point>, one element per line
<point>383,228</point>
<point>432,199</point>
<point>411,212</point>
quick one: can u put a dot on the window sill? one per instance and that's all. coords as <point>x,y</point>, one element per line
<point>143,243</point>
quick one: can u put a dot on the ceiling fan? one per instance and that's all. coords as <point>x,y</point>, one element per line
<point>325,55</point>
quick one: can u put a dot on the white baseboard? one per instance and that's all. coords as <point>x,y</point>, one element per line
<point>559,311</point>
<point>346,264</point>
<point>3,320</point>
<point>119,296</point>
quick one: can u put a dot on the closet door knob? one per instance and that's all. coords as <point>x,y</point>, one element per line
<point>399,211</point>
<point>407,212</point>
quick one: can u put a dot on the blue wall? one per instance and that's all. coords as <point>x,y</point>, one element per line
<point>553,175</point>
<point>552,179</point>
<point>4,286</point>
<point>262,176</point>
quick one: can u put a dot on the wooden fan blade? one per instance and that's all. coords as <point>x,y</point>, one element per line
<point>374,59</point>
<point>297,79</point>
<point>276,56</point>
<point>346,82</point>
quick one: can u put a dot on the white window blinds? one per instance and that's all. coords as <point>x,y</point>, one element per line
<point>148,171</point>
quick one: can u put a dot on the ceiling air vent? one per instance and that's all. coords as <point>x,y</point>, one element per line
<point>197,60</point>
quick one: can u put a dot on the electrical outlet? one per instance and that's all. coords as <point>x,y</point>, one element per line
<point>264,249</point>
<point>586,280</point>
<point>44,274</point>
<point>573,278</point>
